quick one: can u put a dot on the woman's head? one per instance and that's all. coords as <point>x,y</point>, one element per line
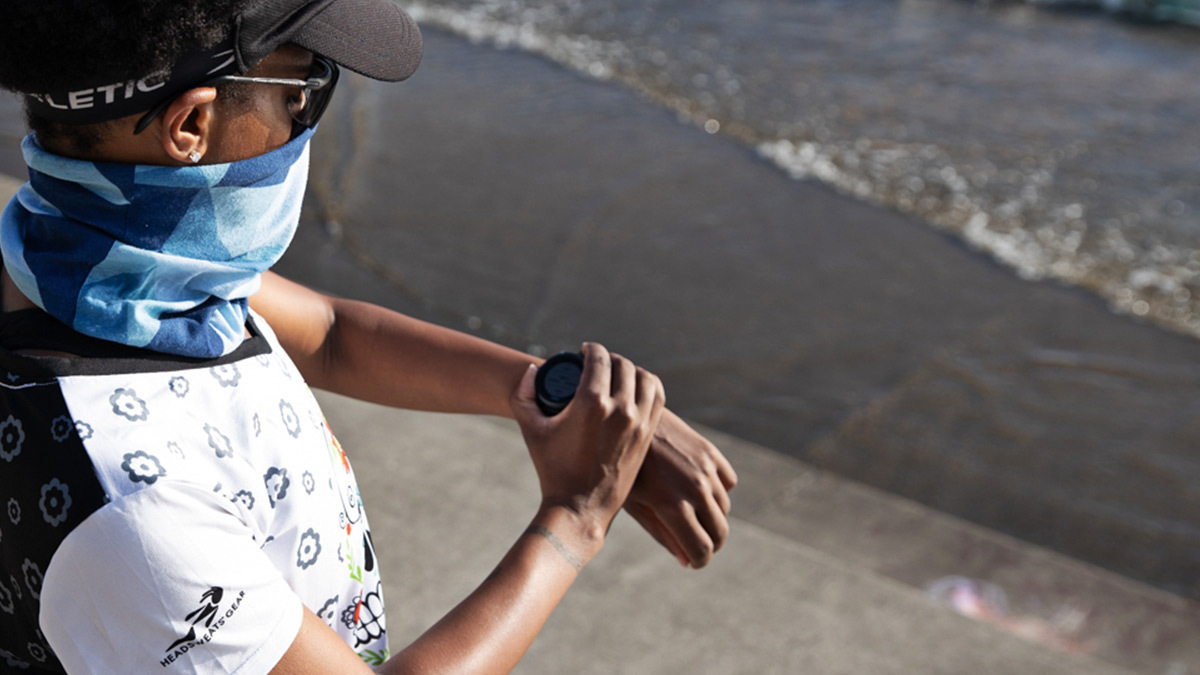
<point>90,68</point>
<point>68,45</point>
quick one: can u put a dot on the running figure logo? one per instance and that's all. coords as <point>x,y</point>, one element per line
<point>209,608</point>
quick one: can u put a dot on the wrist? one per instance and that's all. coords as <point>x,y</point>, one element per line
<point>577,537</point>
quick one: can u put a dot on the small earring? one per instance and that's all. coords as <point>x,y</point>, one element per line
<point>194,156</point>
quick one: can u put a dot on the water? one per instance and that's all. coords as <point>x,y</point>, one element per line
<point>1061,143</point>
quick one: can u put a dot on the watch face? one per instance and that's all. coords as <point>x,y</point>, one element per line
<point>557,380</point>
<point>562,379</point>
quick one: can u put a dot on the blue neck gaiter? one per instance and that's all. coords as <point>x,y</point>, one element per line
<point>152,256</point>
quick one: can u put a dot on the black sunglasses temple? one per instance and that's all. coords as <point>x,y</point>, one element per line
<point>320,89</point>
<point>146,119</point>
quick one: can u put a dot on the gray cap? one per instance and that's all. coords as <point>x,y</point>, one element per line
<point>372,37</point>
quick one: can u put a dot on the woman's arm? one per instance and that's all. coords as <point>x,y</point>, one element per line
<point>489,631</point>
<point>586,459</point>
<point>374,354</point>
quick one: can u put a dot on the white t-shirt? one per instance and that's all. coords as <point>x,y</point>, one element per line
<point>174,516</point>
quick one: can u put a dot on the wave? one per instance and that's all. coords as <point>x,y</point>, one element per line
<point>1056,146</point>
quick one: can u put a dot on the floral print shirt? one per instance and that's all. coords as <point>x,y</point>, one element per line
<point>162,514</point>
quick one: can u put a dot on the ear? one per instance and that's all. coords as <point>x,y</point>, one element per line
<point>188,124</point>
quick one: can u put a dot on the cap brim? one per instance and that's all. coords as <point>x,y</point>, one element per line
<point>372,37</point>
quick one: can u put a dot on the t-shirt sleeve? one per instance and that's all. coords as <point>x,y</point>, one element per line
<point>168,579</point>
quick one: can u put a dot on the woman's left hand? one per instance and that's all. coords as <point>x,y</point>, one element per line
<point>681,496</point>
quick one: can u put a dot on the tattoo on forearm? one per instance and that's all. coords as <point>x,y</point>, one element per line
<point>558,545</point>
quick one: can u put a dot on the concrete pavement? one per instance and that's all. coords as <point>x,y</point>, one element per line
<point>447,495</point>
<point>820,575</point>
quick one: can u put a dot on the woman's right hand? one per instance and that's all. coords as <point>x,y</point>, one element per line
<point>588,456</point>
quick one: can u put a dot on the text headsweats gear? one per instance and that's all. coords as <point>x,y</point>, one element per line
<point>372,37</point>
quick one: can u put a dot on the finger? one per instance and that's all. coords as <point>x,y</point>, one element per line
<point>720,493</point>
<point>524,398</point>
<point>724,471</point>
<point>596,378</point>
<point>711,517</point>
<point>710,462</point>
<point>624,379</point>
<point>686,528</point>
<point>650,392</point>
<point>526,391</point>
<point>651,523</point>
<point>657,406</point>
<point>650,399</point>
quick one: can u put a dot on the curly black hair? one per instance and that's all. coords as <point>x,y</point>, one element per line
<point>60,44</point>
